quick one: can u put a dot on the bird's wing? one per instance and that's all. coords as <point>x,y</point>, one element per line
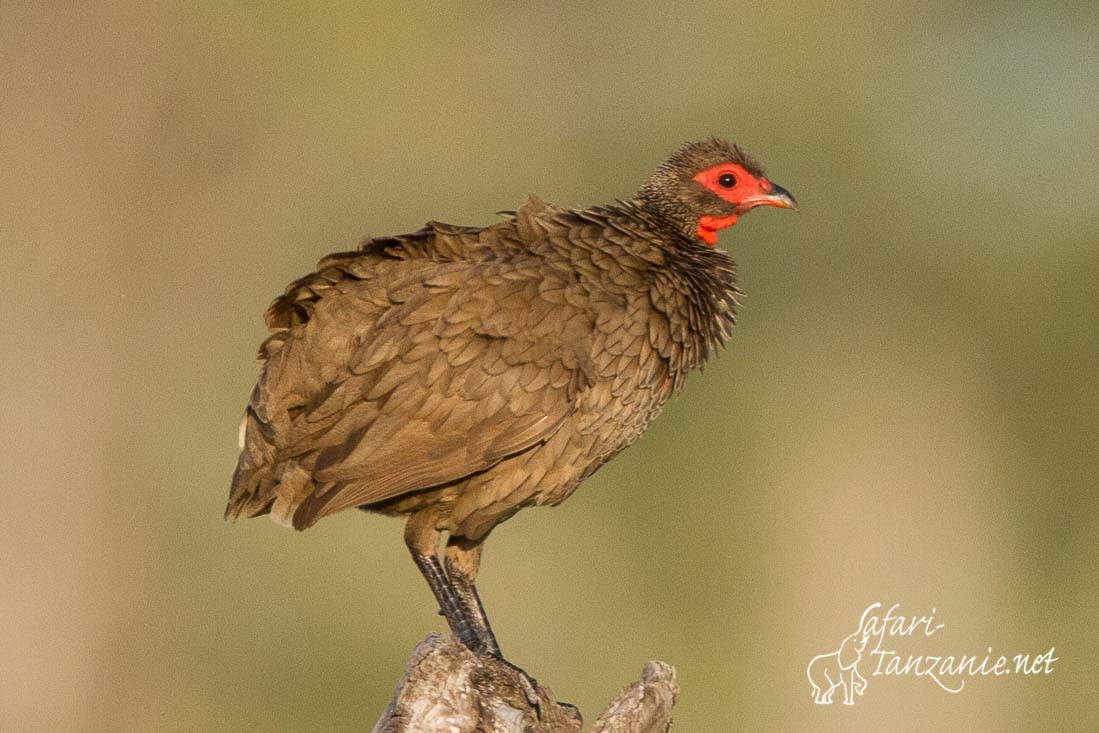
<point>408,374</point>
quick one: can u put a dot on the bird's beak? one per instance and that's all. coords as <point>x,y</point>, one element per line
<point>771,194</point>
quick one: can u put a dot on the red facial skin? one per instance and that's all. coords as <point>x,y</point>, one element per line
<point>747,193</point>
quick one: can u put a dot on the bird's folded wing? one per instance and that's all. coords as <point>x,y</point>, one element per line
<point>418,377</point>
<point>416,455</point>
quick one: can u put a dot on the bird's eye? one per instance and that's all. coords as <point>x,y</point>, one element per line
<point>726,180</point>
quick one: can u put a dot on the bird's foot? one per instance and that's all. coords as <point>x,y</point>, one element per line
<point>536,695</point>
<point>483,650</point>
<point>529,685</point>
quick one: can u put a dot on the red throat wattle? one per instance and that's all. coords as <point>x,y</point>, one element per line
<point>709,225</point>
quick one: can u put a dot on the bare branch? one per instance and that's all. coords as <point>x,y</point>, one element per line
<point>448,688</point>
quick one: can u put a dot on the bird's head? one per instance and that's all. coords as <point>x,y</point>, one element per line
<point>706,186</point>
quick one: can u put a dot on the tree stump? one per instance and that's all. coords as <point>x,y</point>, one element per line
<point>449,689</point>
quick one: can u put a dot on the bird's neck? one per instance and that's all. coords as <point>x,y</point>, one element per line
<point>692,285</point>
<point>706,278</point>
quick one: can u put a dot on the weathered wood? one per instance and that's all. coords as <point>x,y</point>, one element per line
<point>449,689</point>
<point>644,706</point>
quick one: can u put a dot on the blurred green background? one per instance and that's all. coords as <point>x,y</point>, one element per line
<point>907,412</point>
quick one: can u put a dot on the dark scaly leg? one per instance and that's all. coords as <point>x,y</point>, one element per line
<point>422,540</point>
<point>457,594</point>
<point>463,560</point>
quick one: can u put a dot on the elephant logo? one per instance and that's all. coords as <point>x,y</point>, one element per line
<point>840,668</point>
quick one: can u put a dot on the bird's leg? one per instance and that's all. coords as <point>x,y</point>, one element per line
<point>422,540</point>
<point>463,559</point>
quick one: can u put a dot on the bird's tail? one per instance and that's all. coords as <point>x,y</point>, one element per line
<point>252,490</point>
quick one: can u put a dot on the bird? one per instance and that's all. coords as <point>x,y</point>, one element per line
<point>455,375</point>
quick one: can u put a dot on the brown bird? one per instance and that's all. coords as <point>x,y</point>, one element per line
<point>456,375</point>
